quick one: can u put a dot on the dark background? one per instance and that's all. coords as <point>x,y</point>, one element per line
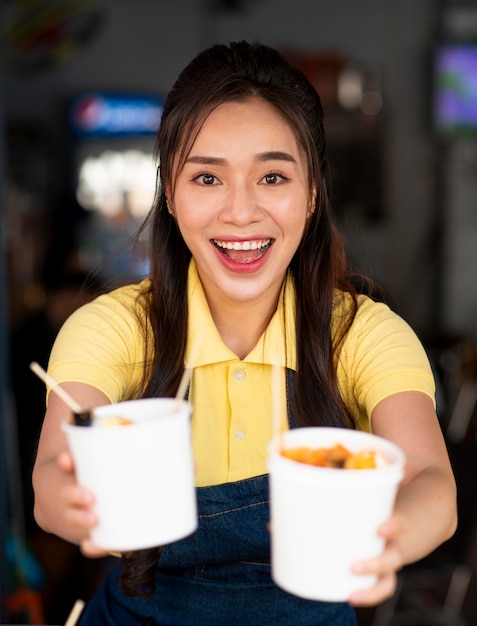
<point>404,190</point>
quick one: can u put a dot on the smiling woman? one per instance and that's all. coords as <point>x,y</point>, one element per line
<point>248,266</point>
<point>241,207</point>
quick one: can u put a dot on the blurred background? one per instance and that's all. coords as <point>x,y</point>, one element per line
<point>82,83</point>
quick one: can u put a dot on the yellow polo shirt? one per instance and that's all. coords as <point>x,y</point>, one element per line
<point>232,423</point>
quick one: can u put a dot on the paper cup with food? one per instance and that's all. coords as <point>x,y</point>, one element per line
<point>330,490</point>
<point>136,457</point>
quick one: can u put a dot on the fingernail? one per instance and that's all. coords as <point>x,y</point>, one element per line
<point>358,597</point>
<point>359,568</point>
<point>89,518</point>
<point>86,497</point>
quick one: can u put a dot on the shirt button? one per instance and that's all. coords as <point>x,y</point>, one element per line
<point>239,375</point>
<point>239,434</point>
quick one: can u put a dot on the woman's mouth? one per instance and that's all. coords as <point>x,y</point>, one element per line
<point>243,251</point>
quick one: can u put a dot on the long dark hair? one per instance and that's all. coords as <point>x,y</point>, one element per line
<point>237,73</point>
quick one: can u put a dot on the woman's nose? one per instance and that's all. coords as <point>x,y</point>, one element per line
<point>241,206</point>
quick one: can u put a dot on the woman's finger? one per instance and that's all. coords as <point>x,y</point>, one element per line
<point>65,462</point>
<point>89,549</point>
<point>385,567</point>
<point>384,589</point>
<point>77,496</point>
<point>77,506</point>
<point>389,561</point>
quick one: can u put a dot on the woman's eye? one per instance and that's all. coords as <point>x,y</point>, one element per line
<point>207,179</point>
<point>273,178</point>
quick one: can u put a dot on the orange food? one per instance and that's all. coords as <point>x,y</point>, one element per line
<point>116,421</point>
<point>336,456</point>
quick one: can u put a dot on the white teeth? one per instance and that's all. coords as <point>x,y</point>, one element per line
<point>242,245</point>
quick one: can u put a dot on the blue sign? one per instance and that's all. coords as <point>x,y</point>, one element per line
<point>107,114</point>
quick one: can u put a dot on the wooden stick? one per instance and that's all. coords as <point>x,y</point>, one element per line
<point>186,376</point>
<point>48,380</point>
<point>75,613</point>
<point>182,387</point>
<point>276,406</point>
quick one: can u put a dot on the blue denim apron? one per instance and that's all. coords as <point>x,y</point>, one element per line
<point>218,576</point>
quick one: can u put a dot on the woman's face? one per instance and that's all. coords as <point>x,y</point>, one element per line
<point>242,201</point>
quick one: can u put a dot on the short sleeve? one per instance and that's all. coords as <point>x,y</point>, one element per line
<point>381,356</point>
<point>101,344</point>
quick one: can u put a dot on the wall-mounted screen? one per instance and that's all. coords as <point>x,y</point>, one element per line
<point>455,89</point>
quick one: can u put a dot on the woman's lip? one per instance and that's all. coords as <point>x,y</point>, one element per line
<point>245,266</point>
<point>251,243</point>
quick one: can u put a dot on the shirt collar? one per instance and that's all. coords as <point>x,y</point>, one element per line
<point>277,345</point>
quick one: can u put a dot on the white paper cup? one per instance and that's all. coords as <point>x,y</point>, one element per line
<point>322,519</point>
<point>142,474</point>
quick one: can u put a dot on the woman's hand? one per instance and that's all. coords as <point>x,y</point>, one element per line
<point>63,507</point>
<point>425,512</point>
<point>385,567</point>
<point>78,504</point>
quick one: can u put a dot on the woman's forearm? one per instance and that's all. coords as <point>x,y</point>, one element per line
<point>426,510</point>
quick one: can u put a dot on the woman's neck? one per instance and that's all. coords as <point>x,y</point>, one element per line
<point>241,324</point>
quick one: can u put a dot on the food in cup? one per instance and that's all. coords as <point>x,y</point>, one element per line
<point>115,421</point>
<point>323,521</point>
<point>108,422</point>
<point>336,456</point>
<point>124,466</point>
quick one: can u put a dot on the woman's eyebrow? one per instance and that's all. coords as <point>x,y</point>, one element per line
<point>206,160</point>
<point>275,155</point>
<point>270,155</point>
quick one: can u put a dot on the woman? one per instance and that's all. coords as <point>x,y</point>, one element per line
<point>245,255</point>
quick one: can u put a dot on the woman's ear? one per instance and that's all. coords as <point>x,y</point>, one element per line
<point>169,204</point>
<point>312,201</point>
